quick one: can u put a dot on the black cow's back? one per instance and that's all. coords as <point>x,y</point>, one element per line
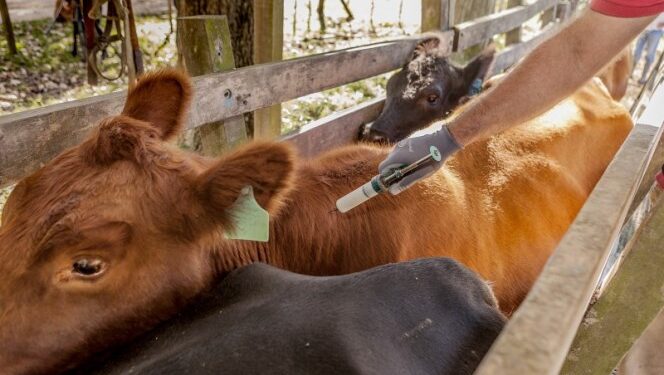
<point>430,316</point>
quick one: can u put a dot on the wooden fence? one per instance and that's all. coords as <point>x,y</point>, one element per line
<point>539,335</point>
<point>31,138</point>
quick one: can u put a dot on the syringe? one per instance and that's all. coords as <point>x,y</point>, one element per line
<point>381,183</point>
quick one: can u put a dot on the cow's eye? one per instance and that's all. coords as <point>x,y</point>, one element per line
<point>88,267</point>
<point>432,98</point>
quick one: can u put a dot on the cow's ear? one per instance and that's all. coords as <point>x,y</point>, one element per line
<point>473,75</point>
<point>430,44</point>
<point>265,166</point>
<point>160,98</point>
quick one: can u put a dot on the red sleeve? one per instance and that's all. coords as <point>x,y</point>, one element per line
<point>628,8</point>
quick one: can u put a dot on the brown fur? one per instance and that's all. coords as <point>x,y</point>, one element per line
<point>153,216</point>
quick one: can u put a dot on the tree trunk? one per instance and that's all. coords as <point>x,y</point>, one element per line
<point>308,16</point>
<point>349,13</point>
<point>7,25</point>
<point>321,15</point>
<point>240,21</point>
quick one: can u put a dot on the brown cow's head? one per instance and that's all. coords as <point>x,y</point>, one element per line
<point>115,234</point>
<point>427,89</point>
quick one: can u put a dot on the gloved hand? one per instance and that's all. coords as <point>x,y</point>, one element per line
<point>410,150</point>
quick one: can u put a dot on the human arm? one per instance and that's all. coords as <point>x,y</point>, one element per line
<point>552,71</point>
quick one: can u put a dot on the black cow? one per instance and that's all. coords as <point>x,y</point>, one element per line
<point>427,89</point>
<point>429,316</point>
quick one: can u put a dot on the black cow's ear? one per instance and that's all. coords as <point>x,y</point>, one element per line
<point>160,98</point>
<point>432,43</point>
<point>474,74</point>
<point>265,166</point>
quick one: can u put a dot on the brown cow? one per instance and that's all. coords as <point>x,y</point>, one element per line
<point>119,232</point>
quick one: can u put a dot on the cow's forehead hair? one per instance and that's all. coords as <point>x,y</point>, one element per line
<point>55,214</point>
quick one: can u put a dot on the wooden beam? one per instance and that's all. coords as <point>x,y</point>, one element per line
<point>537,338</point>
<point>631,301</point>
<point>335,130</point>
<point>204,46</point>
<point>436,15</point>
<point>31,138</point>
<point>90,41</point>
<point>650,116</point>
<point>481,29</point>
<point>514,36</point>
<point>512,54</point>
<point>7,25</point>
<point>268,47</point>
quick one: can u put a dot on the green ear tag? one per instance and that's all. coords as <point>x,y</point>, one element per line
<point>252,222</point>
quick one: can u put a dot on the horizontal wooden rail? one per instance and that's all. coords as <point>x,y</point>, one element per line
<point>512,54</point>
<point>633,294</point>
<point>335,130</point>
<point>478,30</point>
<point>631,301</point>
<point>650,114</point>
<point>539,335</point>
<point>31,138</point>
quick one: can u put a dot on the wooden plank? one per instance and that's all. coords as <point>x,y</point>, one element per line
<point>30,138</point>
<point>514,36</point>
<point>268,47</point>
<point>335,130</point>
<point>537,338</point>
<point>434,15</point>
<point>481,29</point>
<point>204,46</point>
<point>437,15</point>
<point>511,55</point>
<point>631,301</point>
<point>650,116</point>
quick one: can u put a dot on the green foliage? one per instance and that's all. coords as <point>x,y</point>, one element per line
<point>45,72</point>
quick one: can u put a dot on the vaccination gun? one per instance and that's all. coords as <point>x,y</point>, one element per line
<point>381,183</point>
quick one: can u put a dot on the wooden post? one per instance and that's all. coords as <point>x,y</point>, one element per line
<point>268,47</point>
<point>631,301</point>
<point>548,16</point>
<point>9,30</point>
<point>90,40</point>
<point>513,36</point>
<point>133,37</point>
<point>204,45</point>
<point>436,15</point>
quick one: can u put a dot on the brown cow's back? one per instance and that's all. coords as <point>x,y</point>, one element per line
<point>499,206</point>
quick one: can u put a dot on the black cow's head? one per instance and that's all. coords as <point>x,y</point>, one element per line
<point>426,89</point>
